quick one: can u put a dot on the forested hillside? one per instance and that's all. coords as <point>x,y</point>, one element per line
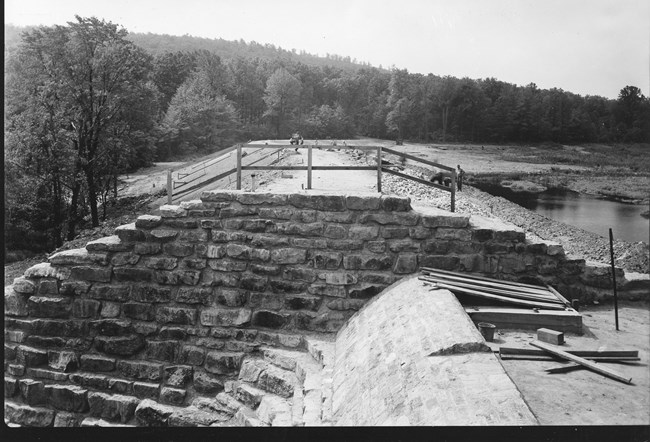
<point>87,101</point>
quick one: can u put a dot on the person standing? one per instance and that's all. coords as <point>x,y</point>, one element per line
<point>461,175</point>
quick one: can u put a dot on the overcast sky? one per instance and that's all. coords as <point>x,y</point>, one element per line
<point>590,47</point>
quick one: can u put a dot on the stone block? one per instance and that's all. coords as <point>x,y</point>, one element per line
<point>302,302</point>
<point>230,297</point>
<point>376,246</point>
<point>148,221</point>
<point>48,287</point>
<point>225,317</point>
<point>45,270</point>
<point>192,355</point>
<point>65,361</point>
<point>146,390</point>
<point>227,265</point>
<point>274,410</point>
<point>405,263</point>
<point>265,301</point>
<point>265,269</point>
<point>90,362</point>
<point>11,386</point>
<point>510,235</point>
<point>28,416</point>
<point>151,294</point>
<point>172,211</point>
<point>278,381</point>
<point>288,256</point>
<point>50,375</point>
<point>331,203</point>
<point>109,293</point>
<point>249,395</point>
<point>365,291</point>
<point>398,218</point>
<point>133,274</point>
<point>67,397</point>
<point>265,318</point>
<point>140,370</point>
<point>15,303</point>
<point>420,232</point>
<point>172,396</point>
<point>363,232</point>
<point>57,327</point>
<point>275,213</point>
<point>206,383</point>
<point>95,274</point>
<point>32,392</point>
<point>119,345</point>
<point>346,304</point>
<point>326,260</point>
<point>17,336</point>
<point>337,217</point>
<point>138,310</point>
<point>90,380</point>
<point>160,263</point>
<point>284,286</point>
<point>112,407</point>
<point>23,286</point>
<point>367,262</point>
<point>177,249</point>
<point>110,309</point>
<point>162,235</point>
<point>389,232</point>
<point>120,386</point>
<point>354,202</point>
<point>111,327</point>
<point>182,224</point>
<point>74,288</point>
<point>66,420</point>
<point>148,248</point>
<point>453,221</point>
<point>125,258</point>
<point>453,234</point>
<point>152,414</point>
<point>309,243</point>
<point>335,231</point>
<point>129,233</point>
<point>253,282</point>
<point>198,295</point>
<point>178,277</point>
<point>161,350</point>
<point>327,290</point>
<point>391,203</point>
<point>178,375</point>
<point>442,262</point>
<point>176,315</point>
<point>48,307</point>
<point>31,357</point>
<point>223,363</point>
<point>404,245</point>
<point>194,263</point>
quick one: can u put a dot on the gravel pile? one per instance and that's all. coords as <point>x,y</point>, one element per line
<point>577,243</point>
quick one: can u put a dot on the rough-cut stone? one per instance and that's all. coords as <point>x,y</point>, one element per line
<point>172,396</point>
<point>231,297</point>
<point>161,350</point>
<point>91,362</point>
<point>48,307</point>
<point>177,249</point>
<point>148,221</point>
<point>406,263</point>
<point>367,262</point>
<point>346,304</point>
<point>172,211</point>
<point>223,362</point>
<point>95,274</point>
<point>152,414</point>
<point>277,381</point>
<point>64,361</point>
<point>225,317</point>
<point>111,327</point>
<point>119,345</point>
<point>48,287</point>
<point>192,355</point>
<point>134,274</point>
<point>45,270</point>
<point>112,407</point>
<point>205,383</point>
<point>31,357</point>
<point>50,375</point>
<point>264,318</point>
<point>24,286</point>
<point>32,392</point>
<point>66,420</point>
<point>391,203</point>
<point>89,380</point>
<point>11,386</point>
<point>403,219</point>
<point>151,294</point>
<point>109,293</point>
<point>28,416</point>
<point>163,235</point>
<point>363,232</point>
<point>365,292</point>
<point>249,395</point>
<point>146,390</point>
<point>110,309</point>
<point>138,310</point>
<point>67,397</point>
<point>178,277</point>
<point>141,370</point>
<point>191,417</point>
<point>327,290</point>
<point>147,248</point>
<point>178,375</point>
<point>109,244</point>
<point>441,262</point>
<point>288,256</point>
<point>326,260</point>
<point>300,302</point>
<point>354,202</point>
<point>283,286</point>
<point>120,386</point>
<point>15,303</point>
<point>176,315</point>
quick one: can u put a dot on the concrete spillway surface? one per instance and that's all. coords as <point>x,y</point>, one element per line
<point>412,356</point>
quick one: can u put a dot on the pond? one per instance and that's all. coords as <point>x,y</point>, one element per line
<point>587,212</point>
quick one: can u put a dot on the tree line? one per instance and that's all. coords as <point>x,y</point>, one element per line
<point>84,104</point>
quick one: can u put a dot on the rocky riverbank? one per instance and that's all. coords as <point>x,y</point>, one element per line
<point>577,243</point>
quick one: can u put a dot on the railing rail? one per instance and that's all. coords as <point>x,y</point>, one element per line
<point>380,150</point>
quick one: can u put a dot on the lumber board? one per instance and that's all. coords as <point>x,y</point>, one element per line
<point>496,291</point>
<point>481,278</point>
<point>505,350</point>
<point>558,358</point>
<point>421,160</point>
<point>537,304</point>
<point>307,167</point>
<point>593,366</point>
<point>573,367</point>
<point>539,291</point>
<point>550,336</point>
<point>560,297</point>
<point>527,319</point>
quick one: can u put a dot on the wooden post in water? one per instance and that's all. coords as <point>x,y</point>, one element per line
<point>239,167</point>
<point>379,169</point>
<point>169,186</point>
<point>611,252</point>
<point>309,167</point>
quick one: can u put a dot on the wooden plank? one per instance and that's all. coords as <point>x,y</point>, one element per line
<point>557,358</point>
<point>307,168</point>
<point>496,291</point>
<point>518,351</point>
<point>412,178</point>
<point>540,291</point>
<point>516,301</point>
<point>593,366</point>
<point>481,278</point>
<point>573,367</point>
<point>421,160</point>
<point>560,297</point>
<point>550,336</point>
<point>527,319</point>
<point>378,169</point>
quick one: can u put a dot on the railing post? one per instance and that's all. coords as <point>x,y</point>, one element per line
<point>239,167</point>
<point>169,186</point>
<point>379,169</point>
<point>309,167</point>
<point>453,190</point>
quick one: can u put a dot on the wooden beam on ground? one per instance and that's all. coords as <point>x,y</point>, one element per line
<point>481,278</point>
<point>527,318</point>
<point>550,336</point>
<point>593,366</point>
<point>505,350</point>
<point>506,299</point>
<point>421,160</point>
<point>557,358</point>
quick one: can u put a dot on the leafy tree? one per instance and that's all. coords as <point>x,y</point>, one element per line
<point>281,98</point>
<point>71,88</point>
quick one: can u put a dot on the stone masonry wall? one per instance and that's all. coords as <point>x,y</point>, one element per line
<point>168,307</point>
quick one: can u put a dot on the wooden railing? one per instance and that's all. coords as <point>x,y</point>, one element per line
<point>380,168</point>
